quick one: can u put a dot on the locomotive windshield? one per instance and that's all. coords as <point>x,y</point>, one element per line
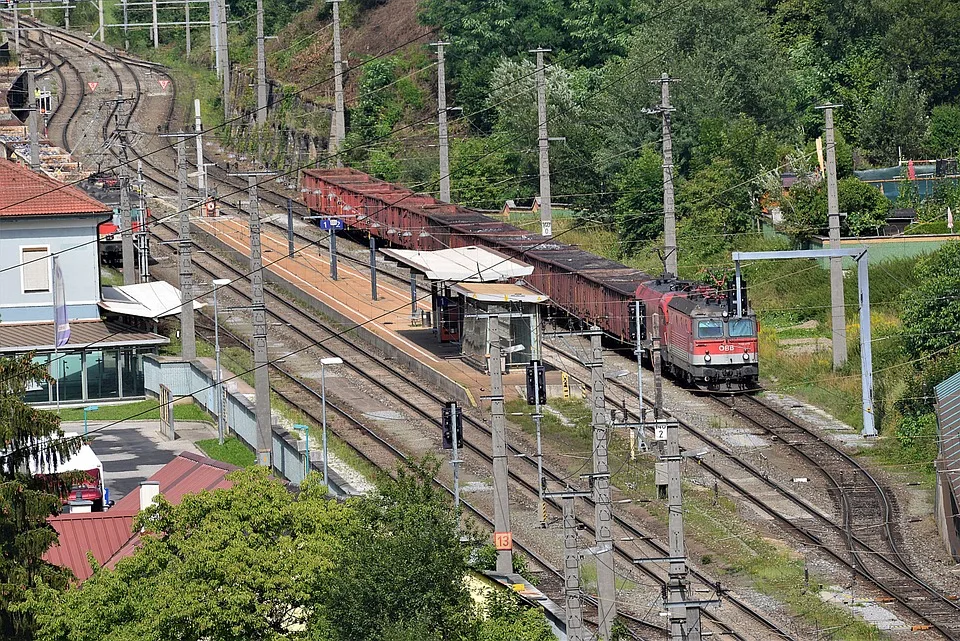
<point>740,327</point>
<point>710,329</point>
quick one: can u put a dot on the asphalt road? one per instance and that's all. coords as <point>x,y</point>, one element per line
<point>132,451</point>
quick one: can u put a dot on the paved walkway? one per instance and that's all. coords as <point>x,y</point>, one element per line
<point>132,451</point>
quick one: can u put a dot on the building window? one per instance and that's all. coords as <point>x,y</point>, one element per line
<point>36,269</point>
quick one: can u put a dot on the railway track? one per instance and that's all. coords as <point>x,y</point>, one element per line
<point>773,631</point>
<point>862,540</point>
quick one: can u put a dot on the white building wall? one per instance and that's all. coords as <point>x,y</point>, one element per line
<point>75,238</point>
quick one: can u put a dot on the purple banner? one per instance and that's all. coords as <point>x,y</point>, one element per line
<point>60,321</point>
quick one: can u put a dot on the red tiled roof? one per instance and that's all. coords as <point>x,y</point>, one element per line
<point>108,534</point>
<point>102,533</point>
<point>29,193</point>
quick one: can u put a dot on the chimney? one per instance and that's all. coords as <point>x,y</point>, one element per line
<point>80,506</point>
<point>149,490</point>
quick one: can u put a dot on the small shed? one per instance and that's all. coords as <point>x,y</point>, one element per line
<point>517,310</point>
<point>471,284</point>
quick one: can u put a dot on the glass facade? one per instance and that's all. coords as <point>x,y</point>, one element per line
<point>95,375</point>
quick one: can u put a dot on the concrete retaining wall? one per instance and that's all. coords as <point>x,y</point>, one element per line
<point>192,379</point>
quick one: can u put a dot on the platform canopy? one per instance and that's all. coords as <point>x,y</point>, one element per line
<point>461,264</point>
<point>145,300</point>
<point>499,292</point>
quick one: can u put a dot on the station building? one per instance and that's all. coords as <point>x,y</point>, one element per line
<point>41,218</point>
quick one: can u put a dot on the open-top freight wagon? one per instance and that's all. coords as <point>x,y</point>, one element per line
<point>596,290</point>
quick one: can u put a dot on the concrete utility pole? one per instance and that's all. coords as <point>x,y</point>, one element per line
<point>16,29</point>
<point>188,336</point>
<point>144,236</point>
<point>186,19</point>
<point>606,578</point>
<point>503,536</point>
<point>573,595</point>
<point>126,26</point>
<point>103,27</point>
<point>261,376</point>
<point>214,35</point>
<point>339,124</point>
<point>442,121</point>
<point>66,14</point>
<point>838,315</point>
<point>261,69</point>
<point>333,254</point>
<point>126,226</point>
<point>224,60</point>
<point>201,167</point>
<point>126,219</point>
<point>684,613</point>
<point>33,125</point>
<point>546,208</point>
<point>373,267</point>
<point>669,210</point>
<point>156,25</point>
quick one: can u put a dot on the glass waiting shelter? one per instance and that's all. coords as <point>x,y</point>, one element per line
<point>514,307</point>
<point>102,361</point>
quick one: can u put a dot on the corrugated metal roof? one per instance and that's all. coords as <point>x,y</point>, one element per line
<point>948,424</point>
<point>461,264</point>
<point>29,193</point>
<point>22,337</point>
<point>499,292</point>
<point>102,533</point>
<point>109,534</point>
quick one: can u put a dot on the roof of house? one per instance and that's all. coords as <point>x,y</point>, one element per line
<point>102,533</point>
<point>109,535</point>
<point>29,193</point>
<point>23,337</point>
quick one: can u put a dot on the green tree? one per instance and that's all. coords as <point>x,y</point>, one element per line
<point>865,205</point>
<point>943,134</point>
<point>713,206</point>
<point>241,564</point>
<point>639,206</point>
<point>894,122</point>
<point>931,312</point>
<point>256,562</point>
<point>29,438</point>
<point>805,208</point>
<point>403,561</point>
<point>507,620</point>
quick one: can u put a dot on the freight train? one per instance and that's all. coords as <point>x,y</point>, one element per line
<point>705,341</point>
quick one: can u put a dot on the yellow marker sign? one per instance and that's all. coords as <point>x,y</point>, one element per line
<point>565,382</point>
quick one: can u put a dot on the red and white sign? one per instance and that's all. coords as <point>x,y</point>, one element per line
<point>93,85</point>
<point>503,540</point>
<point>163,83</point>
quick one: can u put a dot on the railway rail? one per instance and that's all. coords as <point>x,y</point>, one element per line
<point>862,540</point>
<point>772,628</point>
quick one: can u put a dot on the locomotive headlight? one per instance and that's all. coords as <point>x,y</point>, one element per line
<point>746,356</point>
<point>706,358</point>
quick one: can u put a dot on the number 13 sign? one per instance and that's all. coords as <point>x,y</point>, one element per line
<point>503,540</point>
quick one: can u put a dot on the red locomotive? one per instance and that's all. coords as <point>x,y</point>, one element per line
<point>704,342</point>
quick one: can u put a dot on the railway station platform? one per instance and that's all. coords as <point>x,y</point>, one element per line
<point>387,323</point>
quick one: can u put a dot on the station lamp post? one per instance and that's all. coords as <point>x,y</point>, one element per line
<point>217,284</point>
<point>89,408</point>
<point>333,360</point>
